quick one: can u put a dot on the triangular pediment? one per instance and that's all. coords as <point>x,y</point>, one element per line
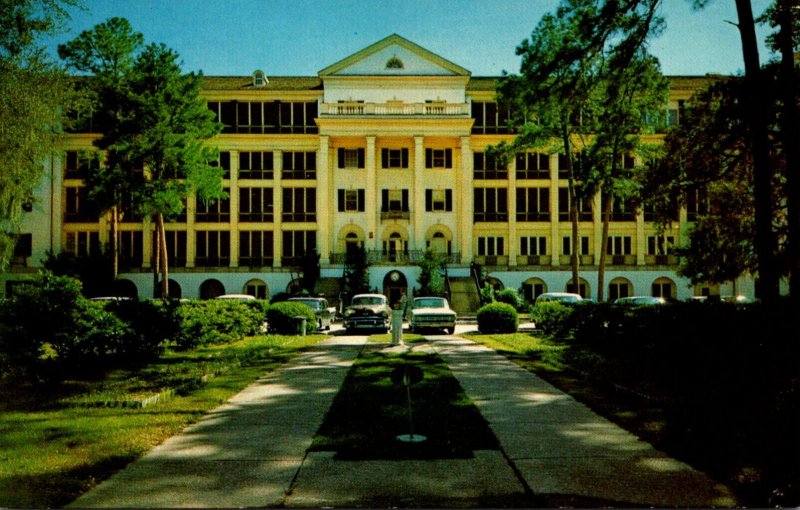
<point>394,56</point>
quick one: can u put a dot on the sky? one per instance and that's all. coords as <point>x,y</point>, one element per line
<point>301,37</point>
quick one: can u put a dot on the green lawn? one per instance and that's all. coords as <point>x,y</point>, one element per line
<point>371,410</point>
<point>55,445</point>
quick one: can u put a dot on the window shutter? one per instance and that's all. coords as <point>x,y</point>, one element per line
<point>428,158</point>
<point>384,199</point>
<point>428,200</point>
<point>448,200</point>
<point>340,194</point>
<point>405,198</point>
<point>448,158</point>
<point>405,158</point>
<point>361,158</point>
<point>384,158</point>
<point>361,200</point>
<point>340,153</point>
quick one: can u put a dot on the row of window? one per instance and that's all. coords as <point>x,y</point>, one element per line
<point>538,245</point>
<point>617,288</point>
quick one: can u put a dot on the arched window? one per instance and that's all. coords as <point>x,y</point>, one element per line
<point>210,289</point>
<point>664,287</point>
<point>256,288</point>
<point>583,288</point>
<point>532,287</point>
<point>619,288</point>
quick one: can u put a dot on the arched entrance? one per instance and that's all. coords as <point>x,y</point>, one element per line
<point>212,288</point>
<point>125,288</point>
<point>256,288</point>
<point>619,288</point>
<point>395,285</point>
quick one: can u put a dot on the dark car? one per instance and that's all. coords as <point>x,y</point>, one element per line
<point>321,309</point>
<point>368,311</point>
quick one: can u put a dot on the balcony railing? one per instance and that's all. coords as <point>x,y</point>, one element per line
<point>380,257</point>
<point>534,260</point>
<point>492,260</point>
<point>395,215</point>
<point>566,260</point>
<point>395,109</point>
<point>661,260</point>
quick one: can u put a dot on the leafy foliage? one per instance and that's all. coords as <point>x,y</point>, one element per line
<point>431,281</point>
<point>497,318</point>
<point>356,272</point>
<point>216,321</point>
<point>551,316</point>
<point>510,296</point>
<point>282,317</point>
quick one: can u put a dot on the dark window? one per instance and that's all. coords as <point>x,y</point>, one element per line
<point>213,211</point>
<point>491,204</point>
<point>299,165</point>
<point>533,245</point>
<point>83,244</point>
<point>77,207</point>
<point>299,204</point>
<point>394,158</point>
<point>487,166</point>
<point>24,245</point>
<point>296,244</point>
<point>256,165</point>
<point>131,249</point>
<point>176,247</point>
<point>619,245</point>
<point>533,165</point>
<point>394,200</point>
<point>79,164</point>
<point>491,246</point>
<point>490,118</point>
<point>566,245</point>
<point>584,207</point>
<point>533,204</point>
<point>438,158</point>
<point>256,248</point>
<point>224,162</point>
<point>256,205</point>
<point>438,200</point>
<point>351,200</point>
<point>212,248</point>
<point>350,158</point>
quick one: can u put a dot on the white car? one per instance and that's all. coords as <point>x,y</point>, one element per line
<point>368,311</point>
<point>432,313</point>
<point>640,301</point>
<point>560,297</point>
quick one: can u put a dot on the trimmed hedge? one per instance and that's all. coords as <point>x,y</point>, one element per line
<point>281,317</point>
<point>497,318</point>
<point>510,296</point>
<point>217,321</point>
<point>551,316</point>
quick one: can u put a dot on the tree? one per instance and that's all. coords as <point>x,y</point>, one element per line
<point>356,272</point>
<point>311,272</point>
<point>708,160</point>
<point>431,280</point>
<point>165,131</point>
<point>553,97</point>
<point>33,93</point>
<point>108,52</point>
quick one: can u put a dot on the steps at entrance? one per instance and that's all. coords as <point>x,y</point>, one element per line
<point>464,298</point>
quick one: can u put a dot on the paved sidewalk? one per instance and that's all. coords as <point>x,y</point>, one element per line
<point>253,450</point>
<point>560,447</point>
<point>244,453</point>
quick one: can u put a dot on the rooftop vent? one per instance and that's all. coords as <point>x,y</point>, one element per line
<point>259,79</point>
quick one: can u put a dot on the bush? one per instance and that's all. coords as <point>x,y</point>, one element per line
<point>551,316</point>
<point>217,321</point>
<point>497,318</point>
<point>510,296</point>
<point>281,317</point>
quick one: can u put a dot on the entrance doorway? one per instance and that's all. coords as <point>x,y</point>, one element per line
<point>394,286</point>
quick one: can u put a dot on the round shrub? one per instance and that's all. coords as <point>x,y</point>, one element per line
<point>510,296</point>
<point>216,321</point>
<point>281,317</point>
<point>497,318</point>
<point>551,316</point>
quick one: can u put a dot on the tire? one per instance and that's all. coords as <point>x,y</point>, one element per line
<point>450,331</point>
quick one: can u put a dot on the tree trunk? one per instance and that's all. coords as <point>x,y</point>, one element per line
<point>156,262</point>
<point>114,242</point>
<point>164,259</point>
<point>601,266</point>
<point>573,209</point>
<point>756,110</point>
<point>789,127</point>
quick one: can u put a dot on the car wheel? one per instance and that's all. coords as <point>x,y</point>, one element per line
<point>450,331</point>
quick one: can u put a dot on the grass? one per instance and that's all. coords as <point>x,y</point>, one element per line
<point>53,448</point>
<point>371,410</point>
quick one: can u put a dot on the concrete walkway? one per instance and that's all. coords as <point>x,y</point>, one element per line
<point>252,451</point>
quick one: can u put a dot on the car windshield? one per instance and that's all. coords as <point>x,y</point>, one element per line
<point>429,303</point>
<point>368,300</point>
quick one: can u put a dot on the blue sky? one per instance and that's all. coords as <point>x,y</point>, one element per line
<point>300,37</point>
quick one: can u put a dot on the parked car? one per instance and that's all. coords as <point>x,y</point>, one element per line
<point>368,311</point>
<point>324,313</point>
<point>432,313</point>
<point>560,297</point>
<point>640,301</point>
<point>242,297</point>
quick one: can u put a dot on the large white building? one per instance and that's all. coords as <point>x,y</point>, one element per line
<point>385,149</point>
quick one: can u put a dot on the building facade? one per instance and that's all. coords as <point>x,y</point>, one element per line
<point>386,149</point>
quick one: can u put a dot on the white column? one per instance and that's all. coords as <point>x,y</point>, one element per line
<point>555,233</point>
<point>233,195</point>
<point>371,197</point>
<point>464,204</point>
<point>417,237</point>
<point>513,242</point>
<point>277,200</point>
<point>325,208</point>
